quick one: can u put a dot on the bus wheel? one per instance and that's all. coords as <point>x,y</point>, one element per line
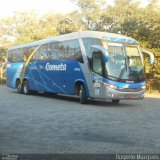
<point>19,86</point>
<point>82,94</point>
<point>115,101</point>
<point>26,89</point>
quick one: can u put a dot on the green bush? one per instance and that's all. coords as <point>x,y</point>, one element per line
<point>153,72</point>
<point>3,81</point>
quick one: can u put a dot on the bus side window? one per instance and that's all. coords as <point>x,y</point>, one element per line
<point>73,50</point>
<point>10,56</point>
<point>61,50</point>
<point>23,54</point>
<point>14,52</point>
<point>97,62</point>
<point>41,53</point>
<point>35,56</point>
<point>77,51</point>
<point>53,51</point>
<point>64,50</point>
<point>44,52</point>
<point>20,55</point>
<point>65,54</point>
<point>56,50</point>
<point>88,42</point>
<point>49,51</point>
<point>17,55</point>
<point>26,54</point>
<point>68,50</point>
<point>31,49</point>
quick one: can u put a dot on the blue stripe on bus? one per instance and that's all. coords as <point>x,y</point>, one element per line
<point>121,40</point>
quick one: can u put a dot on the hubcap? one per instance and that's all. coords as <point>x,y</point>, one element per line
<point>25,89</point>
<point>19,87</point>
<point>80,92</point>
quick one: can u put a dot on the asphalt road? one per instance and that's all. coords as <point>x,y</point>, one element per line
<point>60,124</point>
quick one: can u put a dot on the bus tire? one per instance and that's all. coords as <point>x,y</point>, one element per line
<point>26,89</point>
<point>82,94</point>
<point>19,87</point>
<point>115,101</point>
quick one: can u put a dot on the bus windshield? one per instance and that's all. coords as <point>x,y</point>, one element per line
<point>124,64</point>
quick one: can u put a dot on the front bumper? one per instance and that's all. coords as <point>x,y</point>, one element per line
<point>114,94</point>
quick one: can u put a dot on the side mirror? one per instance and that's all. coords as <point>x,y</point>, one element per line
<point>104,50</point>
<point>150,54</point>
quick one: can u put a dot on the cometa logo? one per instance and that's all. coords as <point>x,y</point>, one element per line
<point>60,67</point>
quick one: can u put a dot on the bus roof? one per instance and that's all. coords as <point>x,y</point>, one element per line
<point>82,34</point>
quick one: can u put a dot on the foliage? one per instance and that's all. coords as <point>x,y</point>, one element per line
<point>3,80</point>
<point>124,16</point>
<point>153,71</point>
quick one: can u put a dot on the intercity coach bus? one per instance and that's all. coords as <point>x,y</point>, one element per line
<point>89,64</point>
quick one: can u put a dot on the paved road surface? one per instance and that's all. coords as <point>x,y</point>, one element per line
<point>59,124</point>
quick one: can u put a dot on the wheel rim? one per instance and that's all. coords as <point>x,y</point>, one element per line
<point>25,89</point>
<point>80,92</point>
<point>19,87</point>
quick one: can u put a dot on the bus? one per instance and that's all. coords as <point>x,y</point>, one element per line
<point>89,64</point>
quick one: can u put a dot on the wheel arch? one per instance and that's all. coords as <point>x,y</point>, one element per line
<point>19,79</point>
<point>25,79</point>
<point>77,84</point>
<point>16,82</point>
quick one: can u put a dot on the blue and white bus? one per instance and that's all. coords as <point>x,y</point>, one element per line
<point>89,64</point>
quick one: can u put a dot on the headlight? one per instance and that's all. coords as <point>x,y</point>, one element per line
<point>143,87</point>
<point>110,85</point>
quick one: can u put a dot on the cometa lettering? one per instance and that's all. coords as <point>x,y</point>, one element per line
<point>60,67</point>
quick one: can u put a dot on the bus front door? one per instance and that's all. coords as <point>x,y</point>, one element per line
<point>97,68</point>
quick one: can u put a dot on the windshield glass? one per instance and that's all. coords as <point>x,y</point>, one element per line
<point>124,64</point>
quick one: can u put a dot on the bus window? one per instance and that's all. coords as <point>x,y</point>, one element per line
<point>10,56</point>
<point>23,53</point>
<point>41,53</point>
<point>31,49</point>
<point>14,58</point>
<point>88,42</point>
<point>73,50</point>
<point>97,62</point>
<point>26,54</point>
<point>17,55</point>
<point>56,50</point>
<point>77,51</point>
<point>61,50</point>
<point>49,51</point>
<point>70,49</point>
<point>65,53</point>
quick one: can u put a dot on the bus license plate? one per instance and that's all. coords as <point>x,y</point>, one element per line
<point>129,96</point>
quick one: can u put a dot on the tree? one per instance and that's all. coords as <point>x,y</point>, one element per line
<point>91,12</point>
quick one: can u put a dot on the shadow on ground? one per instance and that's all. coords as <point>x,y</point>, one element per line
<point>93,102</point>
